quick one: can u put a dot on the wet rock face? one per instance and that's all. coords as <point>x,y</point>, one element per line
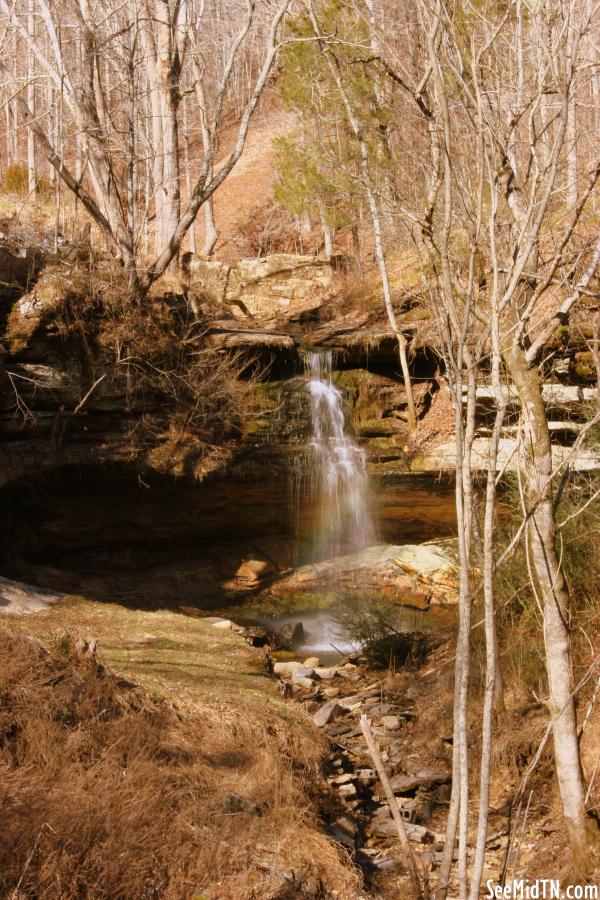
<point>90,506</point>
<point>53,366</point>
<point>111,532</point>
<point>375,407</point>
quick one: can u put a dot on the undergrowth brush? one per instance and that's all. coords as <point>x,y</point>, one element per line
<point>152,358</point>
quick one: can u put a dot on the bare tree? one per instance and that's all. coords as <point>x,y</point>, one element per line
<point>527,183</point>
<point>374,208</point>
<point>97,98</point>
<point>492,97</point>
<point>31,167</point>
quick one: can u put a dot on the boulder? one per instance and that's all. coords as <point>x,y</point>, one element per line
<point>262,288</point>
<point>18,598</point>
<point>291,636</point>
<point>345,831</point>
<point>326,672</point>
<point>338,729</point>
<point>312,662</point>
<point>390,723</point>
<point>253,570</point>
<point>303,672</point>
<point>257,636</point>
<point>378,709</point>
<point>417,575</point>
<point>347,790</point>
<point>385,826</point>
<point>403,784</point>
<point>287,669</point>
<point>351,703</point>
<point>306,683</point>
<point>329,711</point>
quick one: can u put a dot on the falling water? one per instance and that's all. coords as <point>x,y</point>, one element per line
<point>339,480</point>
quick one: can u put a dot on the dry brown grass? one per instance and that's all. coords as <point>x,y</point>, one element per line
<point>111,792</point>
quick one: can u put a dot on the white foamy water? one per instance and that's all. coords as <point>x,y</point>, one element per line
<point>338,478</point>
<point>323,636</point>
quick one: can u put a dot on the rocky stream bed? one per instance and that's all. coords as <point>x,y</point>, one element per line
<point>335,696</point>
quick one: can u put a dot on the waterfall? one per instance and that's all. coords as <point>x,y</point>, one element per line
<point>338,477</point>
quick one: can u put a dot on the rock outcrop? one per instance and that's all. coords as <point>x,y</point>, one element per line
<point>442,458</point>
<point>16,598</point>
<point>263,288</point>
<point>70,406</point>
<point>416,575</point>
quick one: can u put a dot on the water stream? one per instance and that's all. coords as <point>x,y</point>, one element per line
<point>338,477</point>
<point>337,486</point>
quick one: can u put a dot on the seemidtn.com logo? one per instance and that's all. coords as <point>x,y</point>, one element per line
<point>541,889</point>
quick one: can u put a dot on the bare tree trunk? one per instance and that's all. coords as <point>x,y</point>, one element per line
<point>7,129</point>
<point>571,135</point>
<point>51,170</point>
<point>572,156</point>
<point>491,650</point>
<point>188,171</point>
<point>327,235</point>
<point>156,135</point>
<point>595,350</point>
<point>389,308</point>
<point>552,592</point>
<point>357,249</point>
<point>211,234</point>
<point>147,195</point>
<point>132,175</point>
<point>168,92</point>
<point>457,812</point>
<point>14,116</point>
<point>58,143</point>
<point>31,168</point>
